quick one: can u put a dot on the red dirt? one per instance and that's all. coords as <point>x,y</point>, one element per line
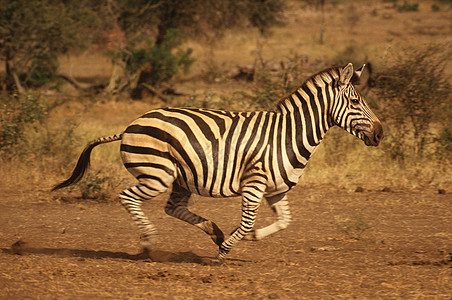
<point>341,244</point>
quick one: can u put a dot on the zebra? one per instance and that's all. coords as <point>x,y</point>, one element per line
<point>217,153</point>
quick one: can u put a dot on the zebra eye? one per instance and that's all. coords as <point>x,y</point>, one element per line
<point>355,100</point>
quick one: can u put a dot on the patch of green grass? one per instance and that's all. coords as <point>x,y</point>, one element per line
<point>354,226</point>
<point>93,186</point>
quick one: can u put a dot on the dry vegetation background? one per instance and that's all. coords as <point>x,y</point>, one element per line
<point>358,32</point>
<point>389,239</point>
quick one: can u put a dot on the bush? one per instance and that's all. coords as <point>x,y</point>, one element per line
<point>34,33</point>
<point>16,113</point>
<point>42,70</point>
<point>26,134</point>
<point>146,62</point>
<point>92,187</point>
<point>435,7</point>
<point>272,80</point>
<point>52,144</point>
<point>351,53</point>
<point>444,139</point>
<point>408,7</point>
<point>415,93</point>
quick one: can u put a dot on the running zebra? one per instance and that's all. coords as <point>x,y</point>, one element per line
<point>223,154</point>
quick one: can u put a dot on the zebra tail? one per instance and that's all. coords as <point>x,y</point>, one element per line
<point>84,160</point>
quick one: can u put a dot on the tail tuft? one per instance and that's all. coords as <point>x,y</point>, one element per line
<point>84,161</point>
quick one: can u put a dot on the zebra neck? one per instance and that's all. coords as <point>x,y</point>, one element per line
<point>306,120</point>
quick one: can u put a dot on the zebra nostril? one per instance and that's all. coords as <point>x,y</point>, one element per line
<point>379,136</point>
<point>378,132</point>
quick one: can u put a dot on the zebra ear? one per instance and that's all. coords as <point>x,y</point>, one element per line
<point>359,71</point>
<point>346,74</point>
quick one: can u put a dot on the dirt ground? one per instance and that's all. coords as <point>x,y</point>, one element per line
<point>364,244</point>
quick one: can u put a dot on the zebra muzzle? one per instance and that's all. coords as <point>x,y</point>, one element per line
<point>374,137</point>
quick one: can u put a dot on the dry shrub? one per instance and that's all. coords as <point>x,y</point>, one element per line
<point>269,80</point>
<point>17,113</point>
<point>415,97</point>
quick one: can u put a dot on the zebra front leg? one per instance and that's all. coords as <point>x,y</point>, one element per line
<point>280,206</point>
<point>177,207</point>
<point>251,198</point>
<point>131,199</point>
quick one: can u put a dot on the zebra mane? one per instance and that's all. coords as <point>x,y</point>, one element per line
<point>333,71</point>
<point>320,79</point>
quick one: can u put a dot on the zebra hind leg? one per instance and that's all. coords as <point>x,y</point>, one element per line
<point>177,207</point>
<point>131,199</point>
<point>280,207</point>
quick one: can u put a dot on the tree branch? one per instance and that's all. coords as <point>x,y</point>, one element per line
<point>74,82</point>
<point>155,92</point>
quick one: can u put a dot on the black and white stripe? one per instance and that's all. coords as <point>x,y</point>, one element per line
<point>221,153</point>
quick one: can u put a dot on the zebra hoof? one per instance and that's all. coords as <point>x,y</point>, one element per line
<point>251,236</point>
<point>212,230</point>
<point>145,254</point>
<point>218,240</point>
<point>212,262</point>
<point>220,259</point>
<point>217,236</point>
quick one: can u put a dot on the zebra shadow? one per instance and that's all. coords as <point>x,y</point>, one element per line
<point>161,256</point>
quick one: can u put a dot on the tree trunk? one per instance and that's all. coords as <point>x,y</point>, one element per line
<point>11,74</point>
<point>20,89</point>
<point>117,81</point>
<point>322,26</point>
<point>122,80</point>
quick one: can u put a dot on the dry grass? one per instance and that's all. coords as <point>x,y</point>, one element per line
<point>357,31</point>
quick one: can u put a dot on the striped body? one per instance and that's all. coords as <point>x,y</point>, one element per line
<point>209,151</point>
<point>258,155</point>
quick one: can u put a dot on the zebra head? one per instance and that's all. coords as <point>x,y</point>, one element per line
<point>351,111</point>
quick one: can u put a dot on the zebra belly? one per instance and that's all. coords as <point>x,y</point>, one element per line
<point>210,180</point>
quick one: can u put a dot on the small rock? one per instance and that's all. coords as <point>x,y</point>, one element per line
<point>441,191</point>
<point>206,279</point>
<point>324,248</point>
<point>386,190</point>
<point>18,247</point>
<point>359,189</point>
